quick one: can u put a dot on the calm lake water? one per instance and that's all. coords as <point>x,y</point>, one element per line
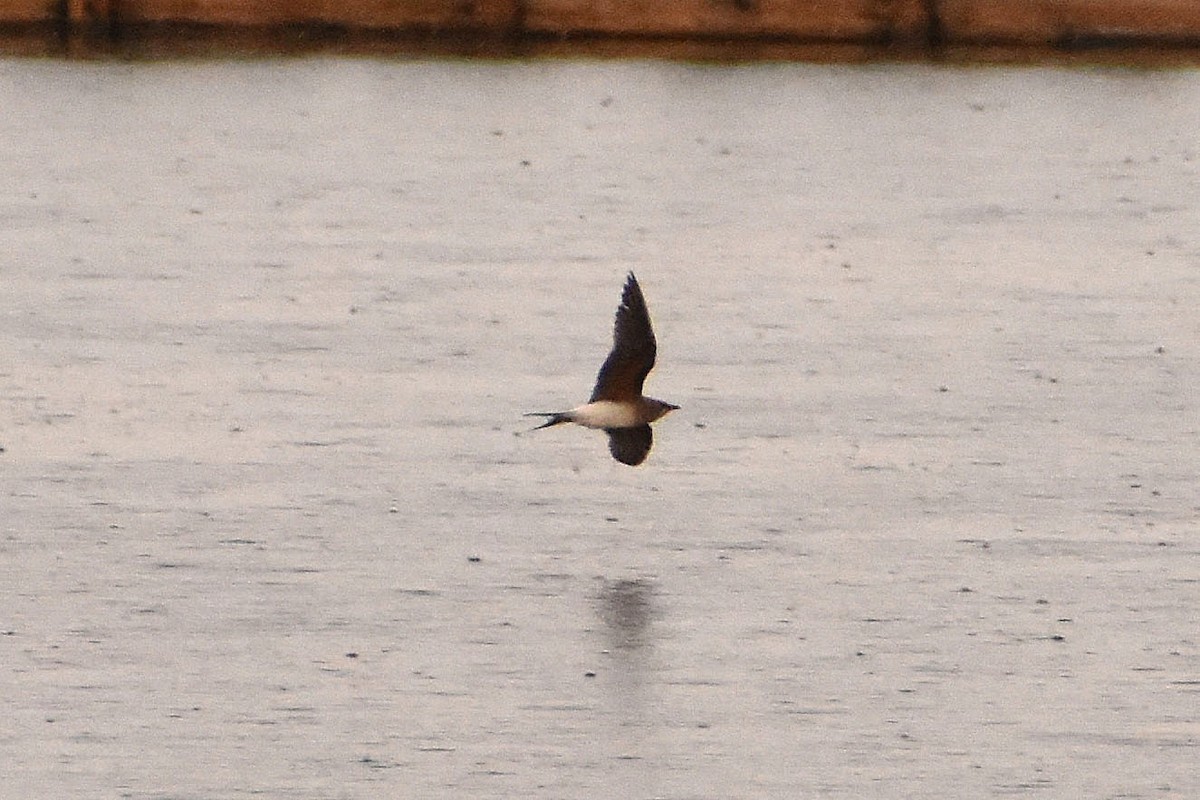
<point>272,523</point>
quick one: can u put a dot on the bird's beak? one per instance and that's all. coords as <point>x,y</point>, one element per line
<point>672,407</point>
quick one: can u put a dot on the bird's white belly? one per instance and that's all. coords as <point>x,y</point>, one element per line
<point>606,414</point>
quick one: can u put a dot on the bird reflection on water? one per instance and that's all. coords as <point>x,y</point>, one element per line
<point>627,609</point>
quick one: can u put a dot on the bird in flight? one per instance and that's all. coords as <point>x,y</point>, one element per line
<point>617,405</point>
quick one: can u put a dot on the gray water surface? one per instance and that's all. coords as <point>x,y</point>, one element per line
<point>271,523</point>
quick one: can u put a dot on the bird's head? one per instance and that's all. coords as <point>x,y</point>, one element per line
<point>661,409</point>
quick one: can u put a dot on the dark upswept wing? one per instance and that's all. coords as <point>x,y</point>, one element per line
<point>633,350</point>
<point>630,445</point>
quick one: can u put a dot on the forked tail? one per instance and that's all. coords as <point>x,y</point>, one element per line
<point>555,418</point>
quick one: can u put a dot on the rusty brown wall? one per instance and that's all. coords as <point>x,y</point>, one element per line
<point>919,22</point>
